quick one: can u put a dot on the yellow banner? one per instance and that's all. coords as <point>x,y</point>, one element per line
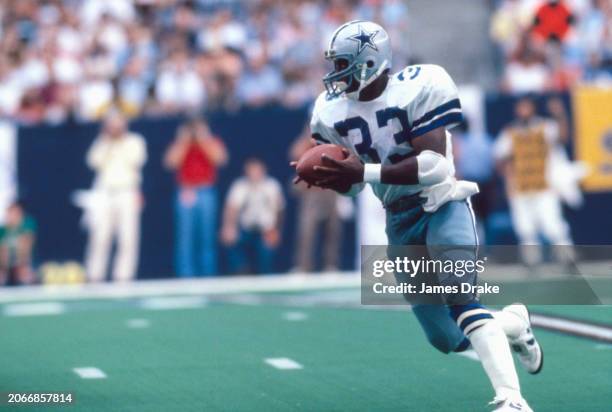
<point>593,133</point>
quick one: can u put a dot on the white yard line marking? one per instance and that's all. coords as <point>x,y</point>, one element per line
<point>283,363</point>
<point>470,354</point>
<point>244,299</point>
<point>137,323</point>
<point>34,309</point>
<point>295,316</point>
<point>186,302</point>
<point>242,284</point>
<point>89,372</point>
<point>573,327</point>
<point>603,346</point>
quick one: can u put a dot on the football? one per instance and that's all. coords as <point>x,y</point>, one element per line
<point>313,157</point>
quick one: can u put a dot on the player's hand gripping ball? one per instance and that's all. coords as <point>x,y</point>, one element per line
<point>305,167</point>
<point>329,166</point>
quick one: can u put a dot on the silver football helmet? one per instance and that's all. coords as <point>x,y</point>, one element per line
<point>360,51</point>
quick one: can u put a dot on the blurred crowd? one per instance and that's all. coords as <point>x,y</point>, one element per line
<point>75,59</point>
<point>550,45</point>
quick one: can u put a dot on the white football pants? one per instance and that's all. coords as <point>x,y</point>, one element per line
<point>114,214</point>
<point>538,213</point>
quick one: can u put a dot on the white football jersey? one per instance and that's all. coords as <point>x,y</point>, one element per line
<point>417,100</point>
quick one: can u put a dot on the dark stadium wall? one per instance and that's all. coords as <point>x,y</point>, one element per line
<point>51,167</point>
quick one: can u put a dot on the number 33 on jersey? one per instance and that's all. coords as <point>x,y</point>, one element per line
<point>417,100</point>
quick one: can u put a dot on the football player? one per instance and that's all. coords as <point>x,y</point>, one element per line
<point>394,131</point>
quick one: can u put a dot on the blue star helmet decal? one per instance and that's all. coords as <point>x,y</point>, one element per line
<point>365,39</point>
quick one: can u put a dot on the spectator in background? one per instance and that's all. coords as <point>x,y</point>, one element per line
<point>196,53</point>
<point>524,153</point>
<point>261,83</point>
<point>223,32</point>
<point>252,220</point>
<point>117,157</point>
<point>195,155</point>
<point>527,71</point>
<point>95,93</point>
<point>508,23</point>
<point>133,87</point>
<point>317,208</point>
<point>17,238</point>
<point>596,40</point>
<point>179,86</point>
<point>10,88</point>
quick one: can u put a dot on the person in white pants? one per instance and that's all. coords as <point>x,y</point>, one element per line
<point>117,156</point>
<point>524,153</point>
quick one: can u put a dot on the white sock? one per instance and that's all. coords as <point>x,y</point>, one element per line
<point>510,323</point>
<point>491,345</point>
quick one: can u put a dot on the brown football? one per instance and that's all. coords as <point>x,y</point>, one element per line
<point>313,157</point>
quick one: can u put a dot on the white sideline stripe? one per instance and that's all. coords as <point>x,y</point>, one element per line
<point>295,316</point>
<point>573,327</point>
<point>245,299</point>
<point>283,363</point>
<point>89,372</point>
<point>246,284</point>
<point>603,346</point>
<point>137,323</point>
<point>470,354</point>
<point>169,287</point>
<point>186,302</point>
<point>34,309</point>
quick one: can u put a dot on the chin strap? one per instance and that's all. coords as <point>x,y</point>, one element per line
<point>363,83</point>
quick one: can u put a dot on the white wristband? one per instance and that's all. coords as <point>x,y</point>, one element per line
<point>372,172</point>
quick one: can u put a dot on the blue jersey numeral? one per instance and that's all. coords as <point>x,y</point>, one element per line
<point>412,71</point>
<point>365,147</point>
<point>383,117</point>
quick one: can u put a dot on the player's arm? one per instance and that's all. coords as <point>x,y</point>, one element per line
<point>429,166</point>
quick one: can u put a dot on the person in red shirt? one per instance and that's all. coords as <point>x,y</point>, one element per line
<point>195,154</point>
